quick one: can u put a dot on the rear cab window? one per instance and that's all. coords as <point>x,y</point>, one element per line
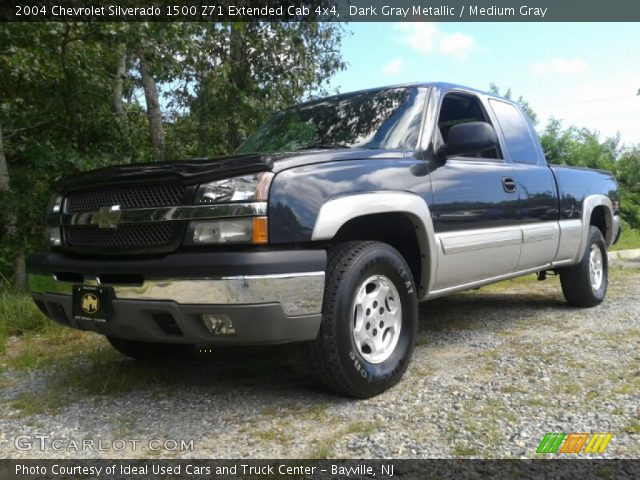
<point>515,130</point>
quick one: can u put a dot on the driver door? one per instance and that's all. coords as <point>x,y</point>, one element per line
<point>475,204</point>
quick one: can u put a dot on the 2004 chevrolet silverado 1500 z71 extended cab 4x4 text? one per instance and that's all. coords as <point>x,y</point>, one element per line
<point>327,227</point>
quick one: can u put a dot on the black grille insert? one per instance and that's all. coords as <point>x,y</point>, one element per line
<point>138,196</point>
<point>142,235</point>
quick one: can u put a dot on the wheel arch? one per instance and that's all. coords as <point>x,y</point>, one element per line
<point>343,214</point>
<point>597,210</point>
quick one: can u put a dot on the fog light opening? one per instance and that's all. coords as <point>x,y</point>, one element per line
<point>218,324</point>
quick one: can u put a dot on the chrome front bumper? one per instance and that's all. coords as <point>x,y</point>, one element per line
<point>297,293</point>
<point>268,296</point>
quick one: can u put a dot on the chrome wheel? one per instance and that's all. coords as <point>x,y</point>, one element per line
<point>596,269</point>
<point>377,318</point>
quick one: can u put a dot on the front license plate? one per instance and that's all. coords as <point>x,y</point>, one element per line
<point>92,303</point>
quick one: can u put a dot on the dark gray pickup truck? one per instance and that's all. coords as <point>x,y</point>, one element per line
<point>327,227</point>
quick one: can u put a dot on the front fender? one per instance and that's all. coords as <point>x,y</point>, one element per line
<point>338,211</point>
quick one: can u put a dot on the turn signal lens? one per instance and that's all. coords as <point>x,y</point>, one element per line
<point>260,234</point>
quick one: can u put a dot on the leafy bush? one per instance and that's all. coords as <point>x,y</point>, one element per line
<point>19,315</point>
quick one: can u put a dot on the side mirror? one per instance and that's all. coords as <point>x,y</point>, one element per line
<point>467,138</point>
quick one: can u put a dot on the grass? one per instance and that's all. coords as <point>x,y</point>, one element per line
<point>81,364</point>
<point>505,285</point>
<point>273,436</point>
<point>361,427</point>
<point>633,428</point>
<point>34,403</point>
<point>324,448</point>
<point>321,450</point>
<point>19,316</point>
<point>629,239</point>
<point>52,346</point>
<point>464,451</point>
<point>42,341</point>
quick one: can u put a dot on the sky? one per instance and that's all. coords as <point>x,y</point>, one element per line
<point>586,74</point>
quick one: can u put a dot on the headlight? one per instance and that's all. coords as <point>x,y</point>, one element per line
<point>246,188</point>
<point>228,230</point>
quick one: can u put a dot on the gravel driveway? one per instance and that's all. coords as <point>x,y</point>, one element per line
<point>494,370</point>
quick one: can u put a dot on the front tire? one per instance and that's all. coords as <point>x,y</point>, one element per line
<point>585,284</point>
<point>369,322</point>
<point>150,351</point>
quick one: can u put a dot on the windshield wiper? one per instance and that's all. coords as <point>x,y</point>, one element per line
<point>321,145</point>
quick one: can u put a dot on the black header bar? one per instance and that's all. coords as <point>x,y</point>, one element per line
<point>321,10</point>
<point>584,469</point>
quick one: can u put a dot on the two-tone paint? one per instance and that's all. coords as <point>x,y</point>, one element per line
<point>471,228</point>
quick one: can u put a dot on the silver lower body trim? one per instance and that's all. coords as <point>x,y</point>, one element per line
<point>297,293</point>
<point>446,291</point>
<point>570,239</point>
<point>539,244</point>
<point>472,255</point>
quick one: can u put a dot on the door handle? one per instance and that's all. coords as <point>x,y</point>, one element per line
<point>509,184</point>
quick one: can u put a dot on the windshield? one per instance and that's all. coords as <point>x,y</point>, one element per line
<point>387,119</point>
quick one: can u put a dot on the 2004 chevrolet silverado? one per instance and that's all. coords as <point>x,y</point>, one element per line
<point>327,227</point>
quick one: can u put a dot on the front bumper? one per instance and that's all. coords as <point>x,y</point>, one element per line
<point>268,296</point>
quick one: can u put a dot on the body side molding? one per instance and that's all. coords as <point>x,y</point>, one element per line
<point>479,239</point>
<point>338,211</point>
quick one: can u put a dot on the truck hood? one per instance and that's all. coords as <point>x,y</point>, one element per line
<point>190,172</point>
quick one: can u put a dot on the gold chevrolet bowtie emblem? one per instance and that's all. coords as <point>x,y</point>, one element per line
<point>90,303</point>
<point>107,217</point>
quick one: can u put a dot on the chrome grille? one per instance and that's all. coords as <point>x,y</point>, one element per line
<point>125,239</point>
<point>139,196</point>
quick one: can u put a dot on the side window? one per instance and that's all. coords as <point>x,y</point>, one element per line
<point>516,132</point>
<point>460,108</point>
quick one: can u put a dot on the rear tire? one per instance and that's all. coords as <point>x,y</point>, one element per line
<point>585,284</point>
<point>150,351</point>
<point>369,320</point>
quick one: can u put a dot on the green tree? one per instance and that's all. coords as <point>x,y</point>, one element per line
<point>579,146</point>
<point>55,118</point>
<point>77,96</point>
<point>247,71</point>
<point>627,170</point>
